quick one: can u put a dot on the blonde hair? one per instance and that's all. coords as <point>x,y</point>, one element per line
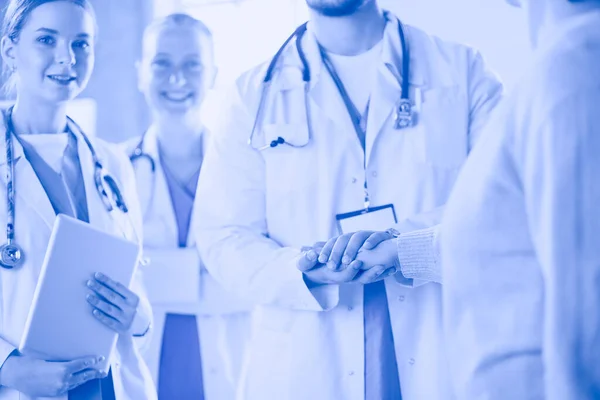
<point>16,14</point>
<point>177,20</point>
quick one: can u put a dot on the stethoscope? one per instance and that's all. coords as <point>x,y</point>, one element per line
<point>403,118</point>
<point>138,154</point>
<point>11,254</point>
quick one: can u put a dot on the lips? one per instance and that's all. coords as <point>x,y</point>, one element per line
<point>177,97</point>
<point>62,79</point>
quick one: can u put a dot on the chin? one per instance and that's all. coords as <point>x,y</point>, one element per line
<point>61,97</point>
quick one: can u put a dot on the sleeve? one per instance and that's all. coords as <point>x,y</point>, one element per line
<point>561,171</point>
<point>418,244</point>
<point>485,92</point>
<point>231,228</point>
<point>6,350</point>
<point>142,324</point>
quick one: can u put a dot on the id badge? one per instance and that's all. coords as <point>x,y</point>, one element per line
<point>374,219</point>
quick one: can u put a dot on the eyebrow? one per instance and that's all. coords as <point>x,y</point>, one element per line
<point>55,32</point>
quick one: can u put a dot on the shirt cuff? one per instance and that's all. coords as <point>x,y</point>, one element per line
<point>141,324</point>
<point>6,349</point>
<point>418,253</point>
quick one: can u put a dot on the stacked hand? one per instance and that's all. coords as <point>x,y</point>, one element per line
<point>363,257</point>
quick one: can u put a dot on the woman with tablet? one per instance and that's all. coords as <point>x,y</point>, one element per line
<point>49,167</point>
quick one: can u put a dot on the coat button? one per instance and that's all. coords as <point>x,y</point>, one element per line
<point>411,361</point>
<point>351,373</point>
<point>374,174</point>
<point>400,298</point>
<point>350,308</point>
<point>354,180</point>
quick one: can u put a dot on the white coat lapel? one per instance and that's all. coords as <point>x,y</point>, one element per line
<point>325,96</point>
<point>98,215</point>
<point>191,239</point>
<point>28,189</point>
<point>161,205</point>
<point>387,90</point>
<point>328,112</point>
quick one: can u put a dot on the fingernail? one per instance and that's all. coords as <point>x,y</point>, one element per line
<point>311,255</point>
<point>358,265</point>
<point>98,275</point>
<point>322,259</point>
<point>331,265</point>
<point>346,260</point>
<point>90,283</point>
<point>96,312</point>
<point>101,358</point>
<point>89,297</point>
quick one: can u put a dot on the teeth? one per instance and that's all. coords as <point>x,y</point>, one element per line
<point>61,78</point>
<point>177,98</point>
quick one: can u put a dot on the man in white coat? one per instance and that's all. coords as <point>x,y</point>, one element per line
<point>326,146</point>
<point>200,331</point>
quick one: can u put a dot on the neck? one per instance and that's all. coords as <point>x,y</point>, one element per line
<point>179,139</point>
<point>544,16</point>
<point>350,35</point>
<point>30,117</point>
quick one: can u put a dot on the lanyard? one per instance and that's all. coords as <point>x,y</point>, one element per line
<point>10,183</point>
<point>358,122</point>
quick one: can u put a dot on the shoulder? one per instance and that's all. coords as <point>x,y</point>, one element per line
<point>562,83</point>
<point>462,63</point>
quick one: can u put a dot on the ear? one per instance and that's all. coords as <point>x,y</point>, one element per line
<point>7,48</point>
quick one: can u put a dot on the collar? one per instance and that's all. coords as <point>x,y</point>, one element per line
<point>551,34</point>
<point>150,143</point>
<point>427,66</point>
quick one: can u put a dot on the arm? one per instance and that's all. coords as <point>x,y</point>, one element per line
<point>231,228</point>
<point>561,170</point>
<point>418,246</point>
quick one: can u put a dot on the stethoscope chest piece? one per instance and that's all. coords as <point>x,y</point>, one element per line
<point>11,256</point>
<point>404,117</point>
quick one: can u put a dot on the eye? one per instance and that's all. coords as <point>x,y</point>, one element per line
<point>46,40</point>
<point>161,64</point>
<point>81,44</point>
<point>194,65</point>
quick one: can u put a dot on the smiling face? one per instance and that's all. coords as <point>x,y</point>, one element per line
<point>177,69</point>
<point>53,55</point>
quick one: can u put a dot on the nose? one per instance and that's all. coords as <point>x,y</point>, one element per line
<point>65,54</point>
<point>177,78</point>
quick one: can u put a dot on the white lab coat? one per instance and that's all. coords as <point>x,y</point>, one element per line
<point>520,236</point>
<point>264,206</point>
<point>34,220</point>
<point>177,282</point>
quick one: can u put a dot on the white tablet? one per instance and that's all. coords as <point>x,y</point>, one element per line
<point>60,325</point>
